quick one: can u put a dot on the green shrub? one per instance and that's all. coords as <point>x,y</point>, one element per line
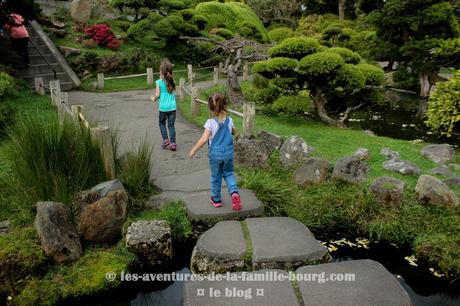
<point>321,65</point>
<point>6,117</point>
<point>200,21</point>
<point>281,33</point>
<point>235,16</point>
<point>443,115</point>
<point>259,81</point>
<point>135,169</point>
<point>295,47</point>
<point>283,66</point>
<point>51,161</point>
<point>267,95</point>
<point>348,56</point>
<point>296,104</point>
<point>172,4</point>
<point>349,77</point>
<point>188,14</point>
<point>374,75</point>
<point>6,83</point>
<point>406,80</point>
<point>225,33</point>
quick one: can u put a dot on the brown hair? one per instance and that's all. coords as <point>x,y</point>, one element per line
<point>217,104</point>
<point>166,69</point>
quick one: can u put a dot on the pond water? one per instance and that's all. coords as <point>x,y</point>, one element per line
<point>423,288</point>
<point>400,116</point>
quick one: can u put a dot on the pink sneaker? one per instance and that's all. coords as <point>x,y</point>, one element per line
<point>236,202</point>
<point>165,144</point>
<point>216,204</point>
<point>173,147</point>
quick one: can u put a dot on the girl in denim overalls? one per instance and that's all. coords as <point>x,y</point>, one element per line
<point>218,134</point>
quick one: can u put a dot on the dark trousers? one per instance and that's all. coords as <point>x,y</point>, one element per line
<point>21,47</point>
<point>171,118</point>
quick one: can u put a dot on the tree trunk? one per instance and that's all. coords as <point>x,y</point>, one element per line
<point>425,85</point>
<point>342,10</point>
<point>233,87</point>
<point>320,102</point>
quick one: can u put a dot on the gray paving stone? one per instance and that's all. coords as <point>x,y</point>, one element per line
<point>281,242</point>
<point>373,285</point>
<point>197,181</point>
<point>199,208</point>
<point>251,293</point>
<point>220,249</point>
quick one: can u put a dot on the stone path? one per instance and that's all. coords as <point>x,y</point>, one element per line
<point>276,242</point>
<point>364,283</point>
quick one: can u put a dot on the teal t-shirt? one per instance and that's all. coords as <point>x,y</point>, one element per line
<point>167,100</point>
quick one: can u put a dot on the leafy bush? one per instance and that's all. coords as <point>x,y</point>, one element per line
<point>6,83</point>
<point>320,65</point>
<point>103,35</point>
<point>267,95</point>
<point>281,33</point>
<point>443,115</point>
<point>296,104</point>
<point>349,77</point>
<point>313,25</point>
<point>295,47</point>
<point>282,65</point>
<point>53,160</point>
<point>374,75</point>
<point>259,81</point>
<point>348,56</point>
<point>406,80</point>
<point>234,16</point>
<point>222,32</point>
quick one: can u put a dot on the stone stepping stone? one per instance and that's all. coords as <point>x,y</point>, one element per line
<point>200,210</point>
<point>220,249</point>
<point>276,242</point>
<point>196,181</point>
<point>373,285</point>
<point>250,293</point>
<point>283,242</point>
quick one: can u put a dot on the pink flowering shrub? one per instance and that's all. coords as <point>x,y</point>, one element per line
<point>103,35</point>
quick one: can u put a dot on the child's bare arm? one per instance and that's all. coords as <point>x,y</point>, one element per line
<point>157,94</point>
<point>200,143</point>
<point>234,131</point>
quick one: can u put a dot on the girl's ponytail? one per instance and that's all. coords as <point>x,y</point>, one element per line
<point>166,70</point>
<point>217,104</point>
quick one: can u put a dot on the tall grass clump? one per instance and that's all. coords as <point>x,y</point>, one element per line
<point>51,161</point>
<point>134,170</point>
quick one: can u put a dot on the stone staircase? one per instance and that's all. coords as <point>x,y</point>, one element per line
<point>46,61</point>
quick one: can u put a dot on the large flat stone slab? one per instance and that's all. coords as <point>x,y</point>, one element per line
<point>220,249</point>
<point>199,208</point>
<point>244,293</point>
<point>372,285</point>
<point>282,242</point>
<point>197,181</point>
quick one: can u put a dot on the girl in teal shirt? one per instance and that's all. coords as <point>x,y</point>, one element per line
<point>165,92</point>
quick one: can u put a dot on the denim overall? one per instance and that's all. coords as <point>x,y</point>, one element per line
<point>220,154</point>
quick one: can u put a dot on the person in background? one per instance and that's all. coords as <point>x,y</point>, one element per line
<point>19,36</point>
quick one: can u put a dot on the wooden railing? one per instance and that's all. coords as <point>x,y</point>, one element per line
<point>99,134</point>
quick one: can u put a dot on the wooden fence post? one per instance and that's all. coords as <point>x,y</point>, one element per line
<point>100,80</point>
<point>61,103</point>
<point>55,92</point>
<point>190,71</point>
<point>246,72</point>
<point>195,105</point>
<point>181,89</point>
<point>39,86</point>
<point>216,75</point>
<point>249,116</point>
<point>76,110</point>
<point>102,136</point>
<point>221,66</point>
<point>150,77</point>
<point>52,89</point>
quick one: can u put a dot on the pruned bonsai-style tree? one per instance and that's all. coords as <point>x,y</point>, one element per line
<point>301,63</point>
<point>235,51</point>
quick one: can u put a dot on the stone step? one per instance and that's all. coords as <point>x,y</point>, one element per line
<point>36,69</point>
<point>276,242</point>
<point>369,284</point>
<point>199,209</point>
<point>38,59</point>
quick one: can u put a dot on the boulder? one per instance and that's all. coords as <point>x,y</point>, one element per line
<point>403,167</point>
<point>294,151</point>
<point>442,170</point>
<point>102,211</point>
<point>58,24</point>
<point>59,33</point>
<point>312,171</point>
<point>98,192</point>
<point>251,153</point>
<point>272,141</point>
<point>388,191</point>
<point>438,153</point>
<point>362,154</point>
<point>4,227</point>
<point>453,181</point>
<point>80,10</point>
<point>432,191</point>
<point>150,241</point>
<point>389,154</point>
<point>68,51</point>
<point>350,169</point>
<point>57,232</point>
